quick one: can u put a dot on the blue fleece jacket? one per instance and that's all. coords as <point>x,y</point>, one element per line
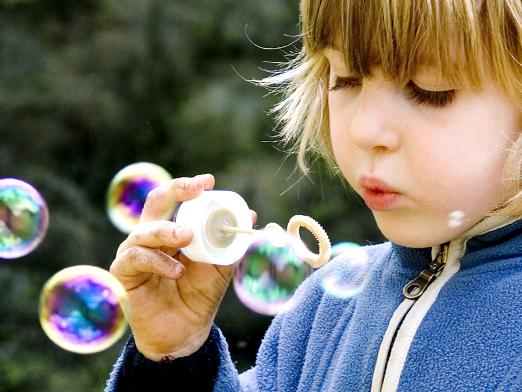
<point>468,337</point>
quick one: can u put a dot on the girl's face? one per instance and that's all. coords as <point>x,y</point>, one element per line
<point>426,158</point>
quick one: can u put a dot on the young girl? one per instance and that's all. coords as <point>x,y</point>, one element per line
<point>418,104</point>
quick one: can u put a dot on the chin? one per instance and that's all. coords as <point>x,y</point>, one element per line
<point>412,243</point>
<point>413,237</point>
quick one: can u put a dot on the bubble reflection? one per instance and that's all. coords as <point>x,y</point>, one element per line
<point>80,309</point>
<point>23,218</point>
<point>269,273</point>
<point>349,280</point>
<point>128,191</point>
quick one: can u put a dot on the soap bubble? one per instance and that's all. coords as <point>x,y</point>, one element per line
<point>128,191</point>
<point>456,218</point>
<point>23,218</point>
<point>342,247</point>
<point>269,273</point>
<point>80,309</point>
<point>350,278</point>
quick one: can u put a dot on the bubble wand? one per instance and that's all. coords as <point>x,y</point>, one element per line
<point>222,226</point>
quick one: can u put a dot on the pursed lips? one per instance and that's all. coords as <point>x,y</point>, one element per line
<point>377,194</point>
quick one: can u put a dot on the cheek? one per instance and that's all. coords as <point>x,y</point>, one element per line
<point>339,120</point>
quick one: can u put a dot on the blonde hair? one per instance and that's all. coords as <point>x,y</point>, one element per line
<point>468,41</point>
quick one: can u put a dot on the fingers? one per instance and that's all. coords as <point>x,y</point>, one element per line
<point>254,217</point>
<point>162,200</point>
<point>157,234</point>
<point>137,260</point>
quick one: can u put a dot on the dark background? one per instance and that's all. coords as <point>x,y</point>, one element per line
<point>90,86</point>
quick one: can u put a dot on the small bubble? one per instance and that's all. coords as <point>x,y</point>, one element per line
<point>128,191</point>
<point>348,280</point>
<point>456,218</point>
<point>269,273</point>
<point>23,218</point>
<point>242,344</point>
<point>342,247</point>
<point>80,309</point>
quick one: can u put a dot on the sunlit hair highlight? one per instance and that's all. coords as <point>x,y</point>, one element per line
<point>467,41</point>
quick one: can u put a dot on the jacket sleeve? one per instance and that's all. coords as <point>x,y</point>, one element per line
<point>133,372</point>
<point>211,367</point>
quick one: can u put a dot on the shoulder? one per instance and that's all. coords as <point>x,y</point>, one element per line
<point>354,261</point>
<point>339,280</point>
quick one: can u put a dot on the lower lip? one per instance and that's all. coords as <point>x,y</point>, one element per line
<point>379,200</point>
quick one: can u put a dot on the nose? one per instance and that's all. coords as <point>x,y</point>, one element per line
<point>376,117</point>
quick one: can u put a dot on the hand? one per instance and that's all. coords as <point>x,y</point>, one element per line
<point>172,300</point>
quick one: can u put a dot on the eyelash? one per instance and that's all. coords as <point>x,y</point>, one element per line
<point>435,99</point>
<point>342,82</point>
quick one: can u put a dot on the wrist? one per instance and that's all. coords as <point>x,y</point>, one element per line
<point>196,372</point>
<point>190,346</point>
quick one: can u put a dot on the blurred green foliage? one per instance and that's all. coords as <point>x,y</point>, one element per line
<point>90,86</point>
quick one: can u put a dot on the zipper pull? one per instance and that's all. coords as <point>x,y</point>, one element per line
<point>417,286</point>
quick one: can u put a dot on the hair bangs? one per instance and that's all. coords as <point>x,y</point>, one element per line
<point>401,36</point>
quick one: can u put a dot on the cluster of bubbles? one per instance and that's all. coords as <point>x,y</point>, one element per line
<point>80,309</point>
<point>23,218</point>
<point>271,270</point>
<point>128,191</point>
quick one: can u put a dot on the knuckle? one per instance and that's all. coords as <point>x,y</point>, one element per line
<point>183,183</point>
<point>140,258</point>
<point>176,233</point>
<point>157,237</point>
<point>133,254</point>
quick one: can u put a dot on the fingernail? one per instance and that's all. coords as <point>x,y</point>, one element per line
<point>178,268</point>
<point>178,231</point>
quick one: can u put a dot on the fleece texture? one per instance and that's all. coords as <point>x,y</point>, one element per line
<point>469,340</point>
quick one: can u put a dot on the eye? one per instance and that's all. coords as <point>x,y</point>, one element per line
<point>343,82</point>
<point>436,99</point>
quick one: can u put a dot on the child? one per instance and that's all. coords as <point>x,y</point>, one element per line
<point>418,103</point>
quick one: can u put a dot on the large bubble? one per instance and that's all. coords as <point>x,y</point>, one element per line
<point>128,191</point>
<point>269,273</point>
<point>350,277</point>
<point>23,218</point>
<point>81,309</point>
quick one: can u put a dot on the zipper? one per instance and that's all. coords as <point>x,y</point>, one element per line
<point>416,287</point>
<point>412,291</point>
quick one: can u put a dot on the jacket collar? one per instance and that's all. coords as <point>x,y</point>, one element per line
<point>487,225</point>
<point>489,232</point>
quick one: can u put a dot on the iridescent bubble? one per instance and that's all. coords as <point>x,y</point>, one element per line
<point>342,247</point>
<point>128,191</point>
<point>81,309</point>
<point>350,278</point>
<point>268,274</point>
<point>23,218</point>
